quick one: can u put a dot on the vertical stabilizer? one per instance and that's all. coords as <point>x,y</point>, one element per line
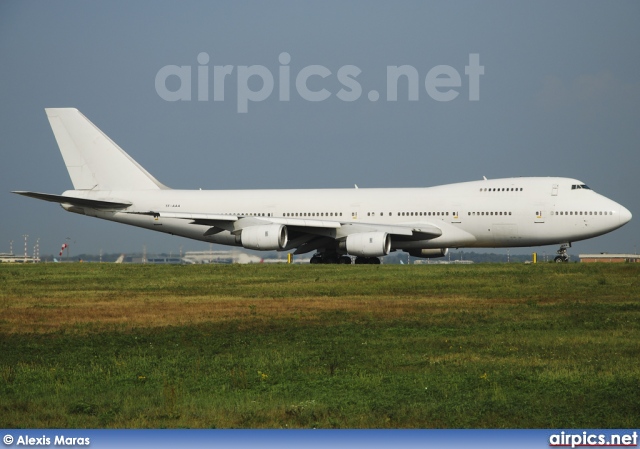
<point>93,160</point>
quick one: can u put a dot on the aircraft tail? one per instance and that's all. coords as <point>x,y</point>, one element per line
<point>93,160</point>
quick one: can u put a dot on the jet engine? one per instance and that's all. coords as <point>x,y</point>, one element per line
<point>368,244</point>
<point>429,253</point>
<point>267,237</point>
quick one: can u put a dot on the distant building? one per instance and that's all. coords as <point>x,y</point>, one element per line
<point>154,260</point>
<point>610,258</point>
<point>203,257</point>
<point>198,257</point>
<point>442,262</point>
<point>13,258</point>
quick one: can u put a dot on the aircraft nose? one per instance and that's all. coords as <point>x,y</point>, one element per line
<point>625,215</point>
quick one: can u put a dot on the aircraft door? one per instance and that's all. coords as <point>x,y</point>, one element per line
<point>456,215</point>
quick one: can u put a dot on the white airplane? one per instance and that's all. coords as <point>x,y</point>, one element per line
<point>336,223</point>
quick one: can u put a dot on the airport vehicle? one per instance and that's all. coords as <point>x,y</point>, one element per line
<point>336,223</point>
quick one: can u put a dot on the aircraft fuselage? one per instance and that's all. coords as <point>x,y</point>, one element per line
<point>509,212</point>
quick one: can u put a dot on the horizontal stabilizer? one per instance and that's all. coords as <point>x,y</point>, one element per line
<point>81,202</point>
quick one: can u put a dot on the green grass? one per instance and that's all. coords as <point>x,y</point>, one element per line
<point>499,346</point>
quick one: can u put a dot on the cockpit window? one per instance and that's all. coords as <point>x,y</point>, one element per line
<point>580,186</point>
<point>584,186</point>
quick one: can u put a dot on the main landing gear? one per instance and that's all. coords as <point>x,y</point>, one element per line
<point>562,253</point>
<point>368,260</point>
<point>346,260</point>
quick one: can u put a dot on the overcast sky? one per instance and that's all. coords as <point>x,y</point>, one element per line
<point>560,96</point>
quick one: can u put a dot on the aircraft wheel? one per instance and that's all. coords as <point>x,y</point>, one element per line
<point>316,259</point>
<point>368,260</point>
<point>560,259</point>
<point>345,260</point>
<point>330,259</point>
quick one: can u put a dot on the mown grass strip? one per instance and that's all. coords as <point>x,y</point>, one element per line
<point>275,346</point>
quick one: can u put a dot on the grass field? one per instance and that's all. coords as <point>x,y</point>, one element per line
<point>230,346</point>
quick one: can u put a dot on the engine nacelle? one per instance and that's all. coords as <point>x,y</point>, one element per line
<point>265,238</point>
<point>429,253</point>
<point>368,244</point>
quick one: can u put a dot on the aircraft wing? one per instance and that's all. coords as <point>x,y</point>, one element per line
<point>414,231</point>
<point>195,217</point>
<point>216,219</point>
<point>326,228</point>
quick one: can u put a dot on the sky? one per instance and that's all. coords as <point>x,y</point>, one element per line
<point>559,96</point>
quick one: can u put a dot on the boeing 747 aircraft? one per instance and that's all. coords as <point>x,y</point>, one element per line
<point>336,223</point>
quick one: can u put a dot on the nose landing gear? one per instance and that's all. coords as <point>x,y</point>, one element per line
<point>562,253</point>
